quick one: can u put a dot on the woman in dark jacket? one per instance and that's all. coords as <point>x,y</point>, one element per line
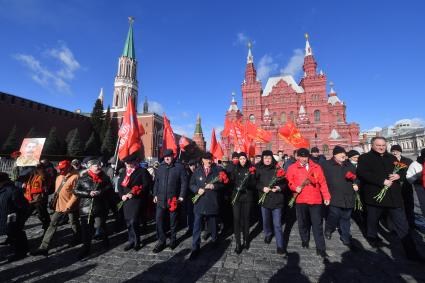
<point>271,208</point>
<point>13,213</point>
<point>243,180</point>
<point>91,190</point>
<point>133,185</point>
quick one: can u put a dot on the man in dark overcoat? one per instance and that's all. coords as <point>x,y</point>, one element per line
<point>376,170</point>
<point>168,193</point>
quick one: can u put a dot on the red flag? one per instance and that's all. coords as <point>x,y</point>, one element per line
<point>227,126</point>
<point>183,142</point>
<point>257,133</point>
<point>291,135</point>
<point>129,132</point>
<point>215,147</point>
<point>168,142</point>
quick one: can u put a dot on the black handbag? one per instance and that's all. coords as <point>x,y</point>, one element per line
<point>54,200</point>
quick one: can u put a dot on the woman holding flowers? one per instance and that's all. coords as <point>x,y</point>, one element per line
<point>133,185</point>
<point>307,181</point>
<point>243,180</point>
<point>270,184</point>
<point>378,172</point>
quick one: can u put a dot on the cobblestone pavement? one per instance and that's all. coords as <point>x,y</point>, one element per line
<point>259,264</point>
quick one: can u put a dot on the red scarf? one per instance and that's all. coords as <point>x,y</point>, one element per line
<point>128,173</point>
<point>95,177</point>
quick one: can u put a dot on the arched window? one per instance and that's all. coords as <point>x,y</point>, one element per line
<point>291,116</point>
<point>283,117</point>
<point>252,118</point>
<point>274,118</point>
<point>316,115</point>
<point>338,117</point>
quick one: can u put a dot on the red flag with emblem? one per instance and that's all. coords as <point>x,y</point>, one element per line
<point>291,135</point>
<point>168,140</point>
<point>257,133</point>
<point>129,132</point>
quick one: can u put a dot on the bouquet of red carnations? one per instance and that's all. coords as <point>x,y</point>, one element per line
<point>397,167</point>
<point>220,178</point>
<point>251,172</point>
<point>278,175</point>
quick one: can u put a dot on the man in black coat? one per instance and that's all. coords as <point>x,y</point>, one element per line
<point>91,189</point>
<point>133,185</point>
<point>316,157</point>
<point>207,205</point>
<point>169,191</point>
<point>406,187</point>
<point>375,170</point>
<point>13,213</point>
<point>342,189</point>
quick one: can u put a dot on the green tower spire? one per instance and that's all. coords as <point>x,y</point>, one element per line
<point>198,128</point>
<point>129,42</point>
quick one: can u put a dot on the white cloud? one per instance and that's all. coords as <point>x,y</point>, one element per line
<point>185,129</point>
<point>266,67</point>
<point>242,38</point>
<point>47,77</point>
<point>156,107</point>
<point>65,56</point>
<point>295,63</point>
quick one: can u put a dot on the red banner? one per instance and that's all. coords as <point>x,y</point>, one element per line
<point>129,132</point>
<point>215,147</point>
<point>257,133</point>
<point>168,142</point>
<point>291,135</point>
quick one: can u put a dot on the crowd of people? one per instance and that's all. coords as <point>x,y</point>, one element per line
<point>375,187</point>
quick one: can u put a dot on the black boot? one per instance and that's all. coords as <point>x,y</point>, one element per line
<point>238,249</point>
<point>410,249</point>
<point>268,239</point>
<point>322,253</point>
<point>245,245</point>
<point>158,248</point>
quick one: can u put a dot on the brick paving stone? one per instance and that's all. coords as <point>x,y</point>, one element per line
<point>259,264</point>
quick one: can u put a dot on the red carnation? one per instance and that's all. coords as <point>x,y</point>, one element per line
<point>235,162</point>
<point>280,173</point>
<point>15,154</point>
<point>136,190</point>
<point>252,170</point>
<point>223,177</point>
<point>172,203</point>
<point>350,176</point>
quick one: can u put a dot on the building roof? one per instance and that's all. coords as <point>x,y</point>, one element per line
<point>334,99</point>
<point>334,135</point>
<point>129,50</point>
<point>272,81</point>
<point>233,105</point>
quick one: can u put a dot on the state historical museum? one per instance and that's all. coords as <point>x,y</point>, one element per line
<point>320,116</point>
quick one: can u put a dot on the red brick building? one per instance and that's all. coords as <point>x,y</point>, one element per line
<point>320,116</point>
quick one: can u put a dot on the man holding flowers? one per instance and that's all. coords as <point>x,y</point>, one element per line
<point>379,173</point>
<point>341,180</point>
<point>206,182</point>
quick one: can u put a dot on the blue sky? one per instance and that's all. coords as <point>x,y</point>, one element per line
<point>192,54</point>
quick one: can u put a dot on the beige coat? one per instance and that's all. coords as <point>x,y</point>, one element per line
<point>66,198</point>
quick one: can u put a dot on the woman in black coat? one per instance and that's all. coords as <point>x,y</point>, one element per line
<point>133,185</point>
<point>91,189</point>
<point>243,180</point>
<point>271,208</point>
